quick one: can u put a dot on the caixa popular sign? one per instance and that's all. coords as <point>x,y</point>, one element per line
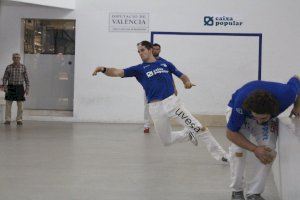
<point>221,21</point>
<point>129,22</point>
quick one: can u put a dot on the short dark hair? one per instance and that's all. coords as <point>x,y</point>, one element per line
<point>261,102</point>
<point>156,44</point>
<point>146,44</point>
<point>16,54</point>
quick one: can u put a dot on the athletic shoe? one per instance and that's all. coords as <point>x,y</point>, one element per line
<point>146,130</point>
<point>237,196</point>
<point>193,138</point>
<point>225,160</point>
<point>255,197</point>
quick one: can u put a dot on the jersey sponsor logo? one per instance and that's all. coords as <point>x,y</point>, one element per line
<point>149,74</point>
<point>239,110</point>
<point>146,66</point>
<point>156,71</point>
<point>164,65</point>
<point>265,135</point>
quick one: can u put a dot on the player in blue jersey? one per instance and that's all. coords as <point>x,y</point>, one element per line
<point>252,111</point>
<point>155,51</point>
<point>156,78</point>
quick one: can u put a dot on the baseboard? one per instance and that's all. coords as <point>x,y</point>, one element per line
<point>205,120</point>
<point>53,113</point>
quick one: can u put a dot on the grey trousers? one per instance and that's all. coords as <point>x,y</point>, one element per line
<point>8,110</point>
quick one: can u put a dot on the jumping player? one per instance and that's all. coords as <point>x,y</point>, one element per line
<point>156,78</point>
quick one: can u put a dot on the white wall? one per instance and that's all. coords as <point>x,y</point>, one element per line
<point>11,34</point>
<point>68,4</point>
<point>203,63</point>
<point>121,100</point>
<point>286,166</point>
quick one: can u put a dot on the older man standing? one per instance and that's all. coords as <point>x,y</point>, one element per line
<point>13,82</point>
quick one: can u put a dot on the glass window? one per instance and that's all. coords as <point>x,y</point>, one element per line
<point>49,36</point>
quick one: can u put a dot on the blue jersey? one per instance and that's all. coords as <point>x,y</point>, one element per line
<point>156,78</point>
<point>284,93</point>
<point>160,59</point>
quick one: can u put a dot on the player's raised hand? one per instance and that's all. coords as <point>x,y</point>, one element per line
<point>98,69</point>
<point>188,85</point>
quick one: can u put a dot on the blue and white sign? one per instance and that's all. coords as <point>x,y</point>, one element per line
<point>222,21</point>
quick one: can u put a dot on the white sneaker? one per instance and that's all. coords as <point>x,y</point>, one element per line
<point>193,138</point>
<point>225,158</point>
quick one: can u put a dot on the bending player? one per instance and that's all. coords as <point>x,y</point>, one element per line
<point>253,111</point>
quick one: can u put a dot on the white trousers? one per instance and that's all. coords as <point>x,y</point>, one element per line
<point>171,108</point>
<point>263,135</point>
<point>146,113</point>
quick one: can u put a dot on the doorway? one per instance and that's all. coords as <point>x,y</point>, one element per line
<point>49,55</point>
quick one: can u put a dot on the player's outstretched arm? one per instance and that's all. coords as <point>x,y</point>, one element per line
<point>113,72</point>
<point>186,81</point>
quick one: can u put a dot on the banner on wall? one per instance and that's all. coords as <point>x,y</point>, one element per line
<point>222,21</point>
<point>129,22</point>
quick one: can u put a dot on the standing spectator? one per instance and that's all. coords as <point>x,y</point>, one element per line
<point>13,82</point>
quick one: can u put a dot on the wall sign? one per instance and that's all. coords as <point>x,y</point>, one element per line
<point>129,22</point>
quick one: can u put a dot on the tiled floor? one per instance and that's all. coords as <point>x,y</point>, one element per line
<point>90,161</point>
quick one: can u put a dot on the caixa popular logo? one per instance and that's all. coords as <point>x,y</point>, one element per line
<point>221,21</point>
<point>208,21</point>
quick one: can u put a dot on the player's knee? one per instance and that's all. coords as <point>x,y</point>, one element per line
<point>236,151</point>
<point>238,154</point>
